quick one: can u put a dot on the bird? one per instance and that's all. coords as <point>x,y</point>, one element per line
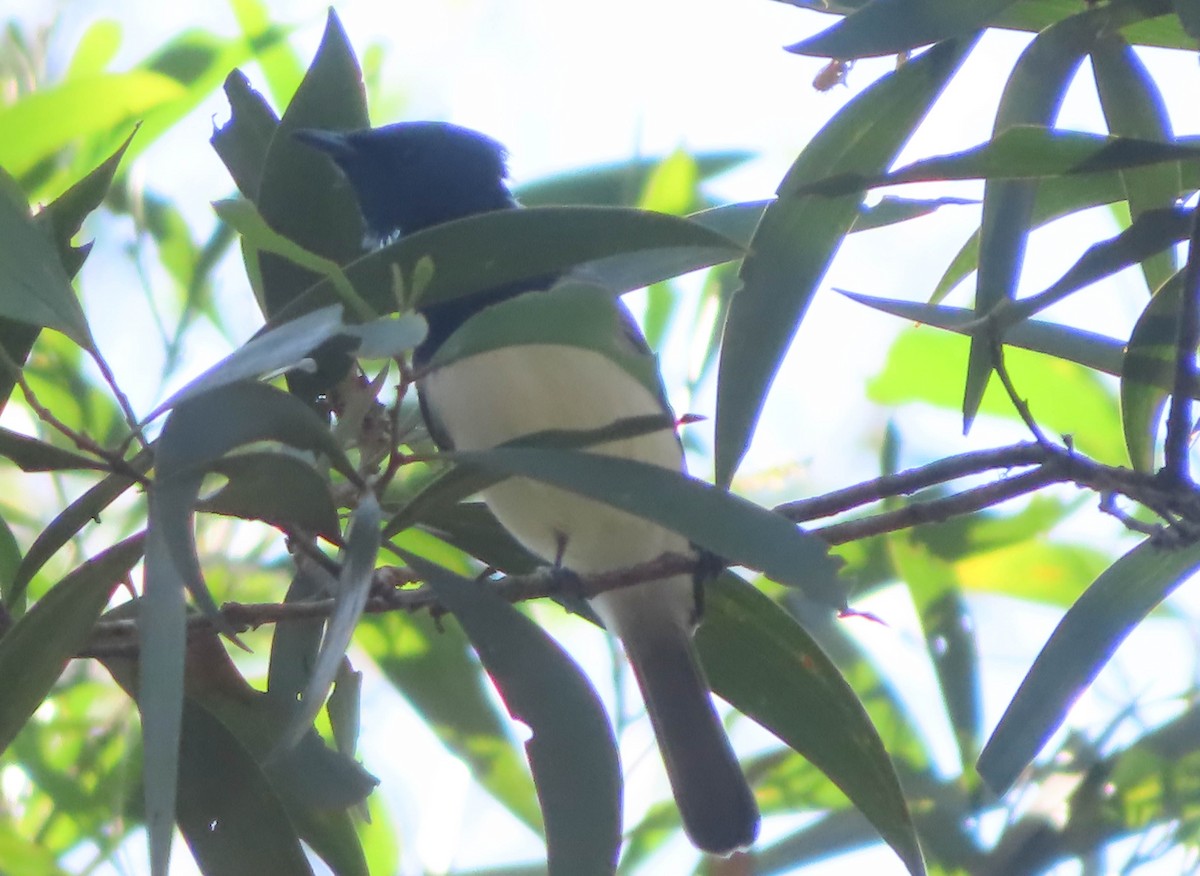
<point>413,175</point>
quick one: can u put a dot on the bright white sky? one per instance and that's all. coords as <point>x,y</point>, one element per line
<point>564,85</point>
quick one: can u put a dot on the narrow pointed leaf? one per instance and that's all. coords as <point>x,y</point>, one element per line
<point>34,287</point>
<point>764,663</point>
<point>34,652</point>
<point>1152,232</point>
<point>571,746</point>
<point>731,527</point>
<point>892,27</point>
<point>1134,107</point>
<point>300,194</point>
<point>1080,646</point>
<point>353,587</point>
<point>1148,372</point>
<point>267,353</point>
<point>1066,342</point>
<point>798,236</point>
<point>31,454</point>
<point>73,519</point>
<point>508,246</point>
<point>162,630</point>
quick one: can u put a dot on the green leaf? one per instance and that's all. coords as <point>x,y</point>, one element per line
<point>72,520</point>
<point>733,528</point>
<point>350,597</point>
<point>52,118</point>
<point>949,635</point>
<point>300,194</point>
<point>10,561</point>
<point>1148,372</point>
<point>228,812</point>
<point>1081,644</point>
<point>1057,197</point>
<point>277,488</point>
<point>265,354</point>
<point>1134,107</point>
<point>507,246</point>
<point>65,214</point>
<point>1021,152</point>
<point>1152,232</point>
<point>1064,342</point>
<point>162,628</point>
<point>1064,398</point>
<point>798,236</point>
<point>765,664</point>
<point>31,454</point>
<point>34,287</point>
<point>34,652</point>
<point>199,432</point>
<point>891,27</point>
<point>242,143</point>
<point>571,746</point>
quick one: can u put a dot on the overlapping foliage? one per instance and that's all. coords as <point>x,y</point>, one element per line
<point>258,776</point>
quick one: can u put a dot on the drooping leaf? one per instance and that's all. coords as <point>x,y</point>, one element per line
<point>277,488</point>
<point>1134,107</point>
<point>765,664</point>
<point>731,527</point>
<point>72,520</point>
<point>571,746</point>
<point>350,597</point>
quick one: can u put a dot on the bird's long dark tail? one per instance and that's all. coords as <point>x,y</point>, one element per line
<point>717,806</point>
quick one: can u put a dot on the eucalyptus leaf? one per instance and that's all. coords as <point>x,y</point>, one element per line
<point>798,236</point>
<point>1082,643</point>
<point>571,744</point>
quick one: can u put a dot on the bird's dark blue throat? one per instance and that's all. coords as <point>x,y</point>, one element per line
<point>414,175</point>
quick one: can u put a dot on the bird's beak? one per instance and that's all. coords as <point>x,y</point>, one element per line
<point>332,143</point>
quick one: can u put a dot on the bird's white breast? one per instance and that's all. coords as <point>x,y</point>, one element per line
<point>503,394</point>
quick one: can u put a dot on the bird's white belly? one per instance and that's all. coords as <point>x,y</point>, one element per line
<point>500,395</point>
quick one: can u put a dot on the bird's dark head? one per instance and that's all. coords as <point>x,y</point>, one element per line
<point>413,175</point>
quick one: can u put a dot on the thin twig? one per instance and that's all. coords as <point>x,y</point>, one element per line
<point>938,510</point>
<point>122,400</point>
<point>1019,403</point>
<point>114,461</point>
<point>912,480</point>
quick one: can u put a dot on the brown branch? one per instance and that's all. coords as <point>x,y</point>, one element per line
<point>390,592</point>
<point>907,482</point>
<point>1178,505</point>
<point>937,510</point>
